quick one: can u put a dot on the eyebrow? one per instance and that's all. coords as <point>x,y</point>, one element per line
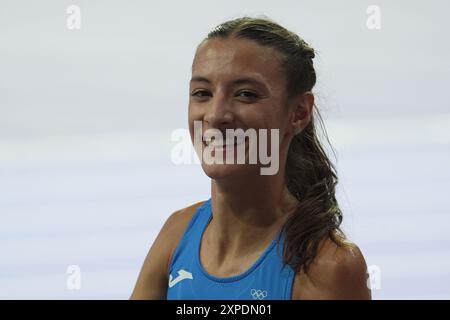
<point>244,80</point>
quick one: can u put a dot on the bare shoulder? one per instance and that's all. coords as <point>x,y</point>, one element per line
<point>153,277</point>
<point>338,272</point>
<point>177,223</point>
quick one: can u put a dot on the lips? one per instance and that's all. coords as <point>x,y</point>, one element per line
<point>220,142</point>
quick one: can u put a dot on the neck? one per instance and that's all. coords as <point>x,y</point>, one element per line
<point>247,213</point>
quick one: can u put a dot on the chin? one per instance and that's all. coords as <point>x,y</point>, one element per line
<point>228,171</point>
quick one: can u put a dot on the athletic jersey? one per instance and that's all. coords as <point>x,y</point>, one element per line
<point>266,279</point>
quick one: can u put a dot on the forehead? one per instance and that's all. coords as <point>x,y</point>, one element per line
<point>228,58</point>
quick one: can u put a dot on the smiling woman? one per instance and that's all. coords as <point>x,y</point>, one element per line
<point>259,236</point>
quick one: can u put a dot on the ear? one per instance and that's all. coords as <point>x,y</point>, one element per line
<point>302,112</point>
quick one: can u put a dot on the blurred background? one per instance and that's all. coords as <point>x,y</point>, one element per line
<point>86,117</point>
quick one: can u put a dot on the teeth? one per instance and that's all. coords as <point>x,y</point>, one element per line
<point>217,142</point>
<point>222,143</point>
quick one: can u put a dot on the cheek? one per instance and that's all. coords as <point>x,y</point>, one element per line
<point>190,112</point>
<point>192,115</point>
<point>272,119</point>
<point>195,112</point>
<point>278,119</point>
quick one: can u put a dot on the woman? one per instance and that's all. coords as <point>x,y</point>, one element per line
<point>259,236</point>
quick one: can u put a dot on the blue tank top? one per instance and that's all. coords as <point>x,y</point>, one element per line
<point>266,279</point>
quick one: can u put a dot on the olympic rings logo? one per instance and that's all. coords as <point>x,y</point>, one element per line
<point>258,294</point>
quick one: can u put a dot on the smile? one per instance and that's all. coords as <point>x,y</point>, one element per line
<point>224,140</point>
<point>221,143</point>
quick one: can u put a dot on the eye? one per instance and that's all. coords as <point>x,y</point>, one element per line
<point>247,94</point>
<point>201,93</point>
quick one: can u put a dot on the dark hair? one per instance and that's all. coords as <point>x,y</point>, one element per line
<point>310,176</point>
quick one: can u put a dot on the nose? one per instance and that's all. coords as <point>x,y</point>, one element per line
<point>218,114</point>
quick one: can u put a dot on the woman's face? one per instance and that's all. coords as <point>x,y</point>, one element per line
<point>235,84</point>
